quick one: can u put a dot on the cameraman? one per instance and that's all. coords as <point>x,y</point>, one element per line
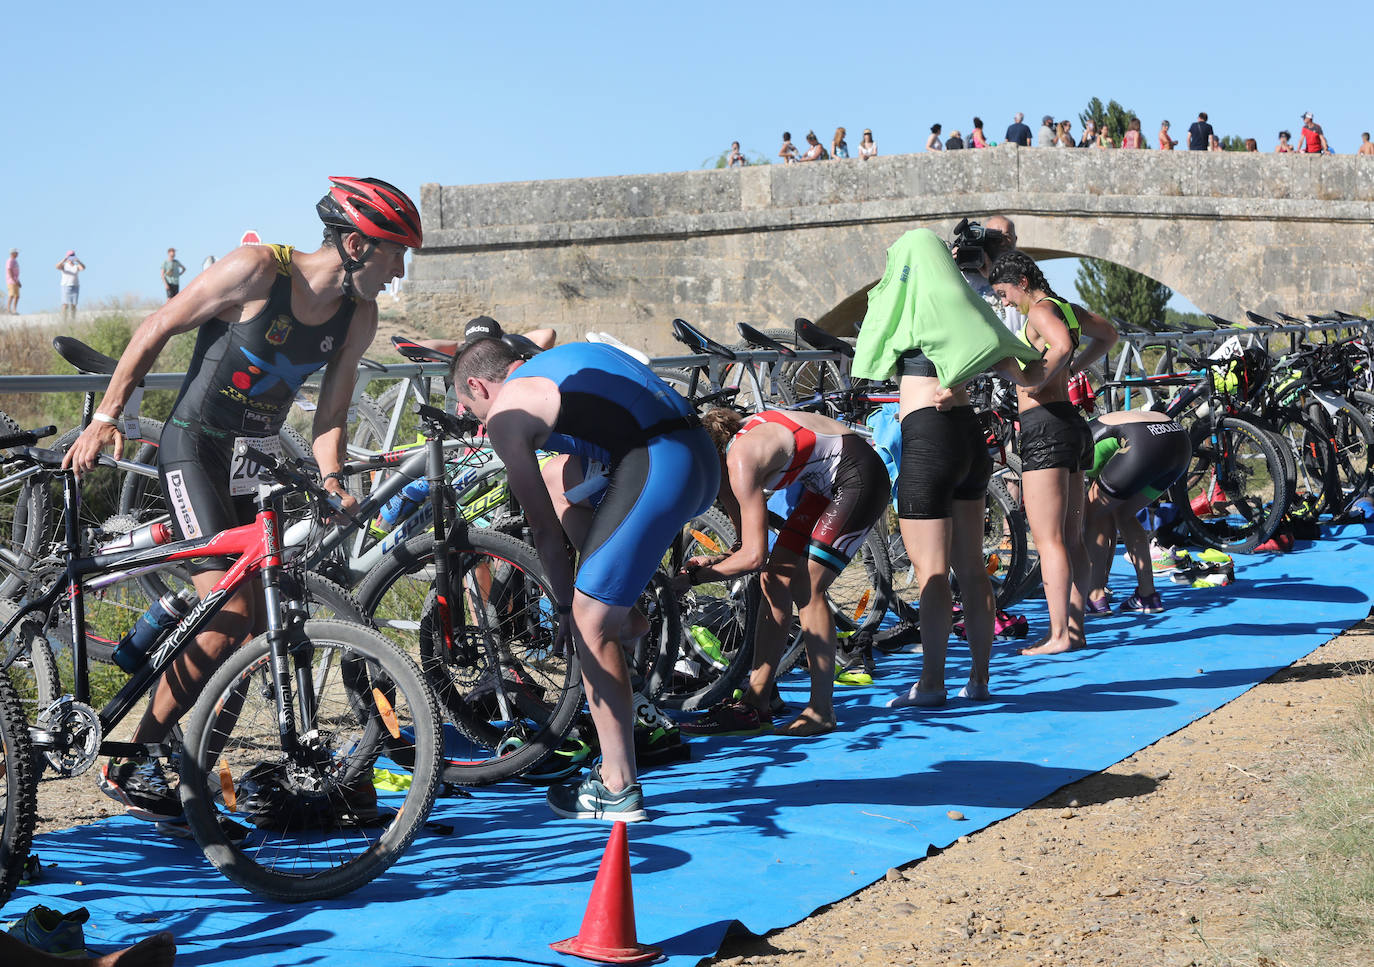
<point>975,247</point>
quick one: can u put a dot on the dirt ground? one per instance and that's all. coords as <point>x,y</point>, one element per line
<point>1144,863</point>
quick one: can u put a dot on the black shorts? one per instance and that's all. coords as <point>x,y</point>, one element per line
<point>944,459</point>
<point>1055,435</point>
<point>1152,456</point>
<point>195,482</point>
<point>830,530</point>
<point>173,288</point>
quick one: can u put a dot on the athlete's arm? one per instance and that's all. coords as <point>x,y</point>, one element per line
<point>241,277</point>
<point>1050,325</point>
<point>1103,336</point>
<point>330,428</point>
<point>746,476</point>
<point>518,423</point>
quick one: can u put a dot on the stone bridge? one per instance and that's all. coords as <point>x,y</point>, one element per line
<point>1229,231</point>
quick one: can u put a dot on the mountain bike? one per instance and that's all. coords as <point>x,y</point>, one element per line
<point>269,743</point>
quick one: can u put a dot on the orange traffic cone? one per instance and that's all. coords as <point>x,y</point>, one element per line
<point>608,926</point>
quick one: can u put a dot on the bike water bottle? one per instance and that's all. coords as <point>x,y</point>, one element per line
<point>410,497</point>
<point>149,535</point>
<point>165,612</point>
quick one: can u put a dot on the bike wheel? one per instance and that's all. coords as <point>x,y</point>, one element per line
<point>716,645</point>
<point>34,674</point>
<point>317,825</point>
<point>1235,492</point>
<point>18,790</point>
<point>24,514</point>
<point>1352,437</point>
<point>501,682</point>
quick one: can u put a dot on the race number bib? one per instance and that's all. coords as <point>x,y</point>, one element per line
<point>244,473</point>
<point>132,430</point>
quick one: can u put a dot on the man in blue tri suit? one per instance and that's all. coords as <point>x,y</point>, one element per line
<point>598,403</point>
<point>268,317</point>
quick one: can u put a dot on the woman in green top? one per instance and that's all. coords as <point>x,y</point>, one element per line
<point>1056,445</point>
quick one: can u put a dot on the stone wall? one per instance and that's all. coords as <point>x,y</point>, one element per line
<point>765,244</point>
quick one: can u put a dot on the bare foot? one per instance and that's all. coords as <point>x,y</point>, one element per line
<point>1049,646</point>
<point>159,950</point>
<point>808,723</point>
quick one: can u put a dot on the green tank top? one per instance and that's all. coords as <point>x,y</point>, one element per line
<point>1066,310</point>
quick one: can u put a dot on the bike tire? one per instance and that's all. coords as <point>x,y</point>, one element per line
<point>399,596</point>
<point>24,518</point>
<point>1352,436</point>
<point>18,790</point>
<point>33,673</point>
<point>233,730</point>
<point>1250,476</point>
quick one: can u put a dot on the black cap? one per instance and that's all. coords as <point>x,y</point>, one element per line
<point>482,327</point>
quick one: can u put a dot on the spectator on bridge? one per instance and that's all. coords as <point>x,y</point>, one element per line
<point>1133,138</point>
<point>1313,138</point>
<point>815,151</point>
<point>737,158</point>
<point>1017,132</point>
<point>976,137</point>
<point>1365,146</point>
<point>933,143</point>
<point>1251,144</point>
<point>1214,143</point>
<point>1284,147</point>
<point>1199,132</point>
<point>1046,137</point>
<point>172,271</point>
<point>839,148</point>
<point>1166,143</point>
<point>12,277</point>
<point>1064,136</point>
<point>788,154</point>
<point>1089,135</point>
<point>955,142</point>
<point>1104,136</point>
<point>868,148</point>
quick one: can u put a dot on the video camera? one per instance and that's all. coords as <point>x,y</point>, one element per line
<point>972,241</point>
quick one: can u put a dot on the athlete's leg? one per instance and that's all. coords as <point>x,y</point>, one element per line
<point>928,546</point>
<point>818,633</point>
<point>975,587</point>
<point>159,950</point>
<point>561,474</point>
<point>1099,534</point>
<point>607,681</point>
<point>1081,573</point>
<point>1046,509</point>
<point>773,623</point>
<point>181,685</point>
<point>1137,541</point>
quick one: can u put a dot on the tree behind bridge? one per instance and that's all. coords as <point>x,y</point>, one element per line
<point>1112,118</point>
<point>1114,290</point>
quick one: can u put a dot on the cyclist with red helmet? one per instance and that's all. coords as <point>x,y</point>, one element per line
<point>267,317</point>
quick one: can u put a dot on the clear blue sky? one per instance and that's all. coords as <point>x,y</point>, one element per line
<point>132,127</point>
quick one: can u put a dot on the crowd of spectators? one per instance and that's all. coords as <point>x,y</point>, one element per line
<point>1059,134</point>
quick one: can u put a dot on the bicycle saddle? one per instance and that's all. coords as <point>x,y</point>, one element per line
<point>698,341</point>
<point>83,357</point>
<point>524,347</point>
<point>759,341</point>
<point>816,337</point>
<point>1222,323</point>
<point>1258,319</point>
<point>1349,317</point>
<point>1124,326</point>
<point>416,353</point>
<point>1290,319</point>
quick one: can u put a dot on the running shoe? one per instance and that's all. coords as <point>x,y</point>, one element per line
<point>1218,580</point>
<point>729,718</point>
<point>1006,627</point>
<point>1166,559</point>
<point>1150,604</point>
<point>1097,607</point>
<point>53,932</point>
<point>590,799</point>
<point>1213,556</point>
<point>142,788</point>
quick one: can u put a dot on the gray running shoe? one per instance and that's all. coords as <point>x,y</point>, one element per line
<point>590,799</point>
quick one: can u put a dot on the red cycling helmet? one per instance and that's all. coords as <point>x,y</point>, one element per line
<point>371,206</point>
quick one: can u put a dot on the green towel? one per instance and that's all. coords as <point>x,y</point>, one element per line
<point>923,302</point>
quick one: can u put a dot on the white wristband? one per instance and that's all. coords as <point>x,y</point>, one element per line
<point>105,418</point>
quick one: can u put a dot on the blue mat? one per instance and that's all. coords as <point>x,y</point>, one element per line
<point>761,830</point>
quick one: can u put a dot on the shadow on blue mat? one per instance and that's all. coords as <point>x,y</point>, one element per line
<point>760,831</point>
